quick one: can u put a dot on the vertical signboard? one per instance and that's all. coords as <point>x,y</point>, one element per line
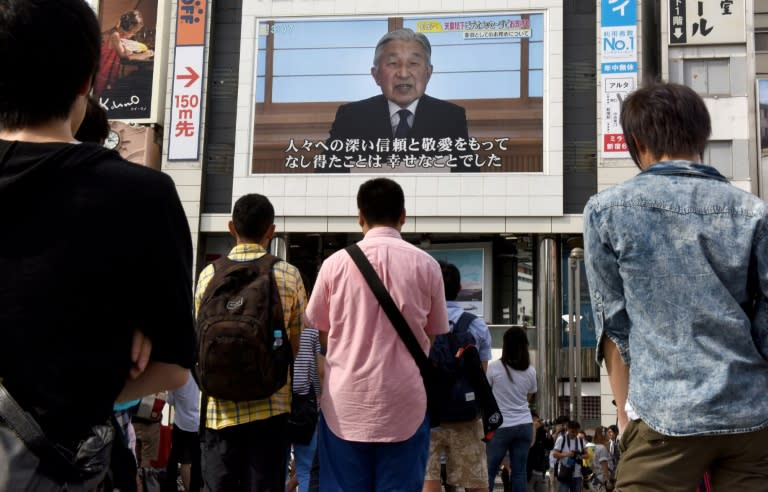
<point>619,79</point>
<point>125,82</point>
<point>700,22</point>
<point>187,93</point>
<point>618,69</point>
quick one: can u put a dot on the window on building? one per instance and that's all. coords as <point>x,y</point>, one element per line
<point>708,77</point>
<point>719,154</point>
<point>761,41</point>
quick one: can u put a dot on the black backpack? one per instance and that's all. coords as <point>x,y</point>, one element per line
<point>447,351</point>
<point>243,350</point>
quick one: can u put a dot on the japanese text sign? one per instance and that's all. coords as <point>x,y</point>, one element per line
<point>185,121</point>
<point>706,22</point>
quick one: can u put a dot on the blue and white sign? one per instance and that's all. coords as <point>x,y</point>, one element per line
<point>619,42</point>
<point>618,13</point>
<point>618,67</point>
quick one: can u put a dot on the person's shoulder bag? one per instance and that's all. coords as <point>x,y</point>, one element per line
<point>88,464</point>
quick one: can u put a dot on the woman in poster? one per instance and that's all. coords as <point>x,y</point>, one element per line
<point>118,44</point>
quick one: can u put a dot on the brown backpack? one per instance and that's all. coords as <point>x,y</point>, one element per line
<point>243,350</point>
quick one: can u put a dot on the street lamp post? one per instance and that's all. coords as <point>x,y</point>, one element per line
<point>574,330</point>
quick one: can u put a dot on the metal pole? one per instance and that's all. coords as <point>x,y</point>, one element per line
<point>278,246</point>
<point>571,355</point>
<point>574,260</point>
<point>548,326</point>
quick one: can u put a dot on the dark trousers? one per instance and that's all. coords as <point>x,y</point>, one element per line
<point>185,449</point>
<point>246,457</point>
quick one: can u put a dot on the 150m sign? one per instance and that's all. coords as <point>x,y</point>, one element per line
<point>184,128</point>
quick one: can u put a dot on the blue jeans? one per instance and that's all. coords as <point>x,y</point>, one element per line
<point>303,454</point>
<point>373,466</point>
<point>516,441</point>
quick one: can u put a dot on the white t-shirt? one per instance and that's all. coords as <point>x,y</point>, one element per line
<point>565,444</point>
<point>186,404</point>
<point>511,392</point>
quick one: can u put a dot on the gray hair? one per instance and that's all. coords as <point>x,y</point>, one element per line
<point>405,34</point>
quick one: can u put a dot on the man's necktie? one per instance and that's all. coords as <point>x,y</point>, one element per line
<point>402,127</point>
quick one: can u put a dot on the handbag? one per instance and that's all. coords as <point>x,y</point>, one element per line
<point>565,473</point>
<point>437,382</point>
<point>302,421</point>
<point>87,464</point>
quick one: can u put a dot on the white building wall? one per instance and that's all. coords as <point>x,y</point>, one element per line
<point>187,175</point>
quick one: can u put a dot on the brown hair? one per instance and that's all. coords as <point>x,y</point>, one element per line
<point>131,20</point>
<point>666,119</point>
<point>601,435</point>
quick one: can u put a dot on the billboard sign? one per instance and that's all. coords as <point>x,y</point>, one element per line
<point>697,22</point>
<point>186,99</point>
<point>128,84</point>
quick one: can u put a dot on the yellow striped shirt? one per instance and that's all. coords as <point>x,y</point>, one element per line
<point>222,413</point>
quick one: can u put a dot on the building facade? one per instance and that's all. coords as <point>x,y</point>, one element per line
<point>244,94</point>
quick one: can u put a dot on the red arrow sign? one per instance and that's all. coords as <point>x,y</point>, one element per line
<point>191,75</point>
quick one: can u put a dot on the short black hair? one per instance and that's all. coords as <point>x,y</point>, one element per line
<point>49,49</point>
<point>95,125</point>
<point>666,118</point>
<point>451,280</point>
<point>381,201</point>
<point>573,424</point>
<point>252,215</point>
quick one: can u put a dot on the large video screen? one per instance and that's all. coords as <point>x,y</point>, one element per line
<point>489,66</point>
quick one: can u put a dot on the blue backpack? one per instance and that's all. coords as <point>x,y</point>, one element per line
<point>447,351</point>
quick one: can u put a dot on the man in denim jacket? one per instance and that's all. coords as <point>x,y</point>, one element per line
<point>677,264</point>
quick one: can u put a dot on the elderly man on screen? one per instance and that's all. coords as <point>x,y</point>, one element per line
<point>402,67</point>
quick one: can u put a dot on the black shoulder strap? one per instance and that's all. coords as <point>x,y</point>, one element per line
<point>462,324</point>
<point>388,305</point>
<point>30,433</point>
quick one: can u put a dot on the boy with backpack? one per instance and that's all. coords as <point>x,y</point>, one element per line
<point>249,316</point>
<point>465,352</point>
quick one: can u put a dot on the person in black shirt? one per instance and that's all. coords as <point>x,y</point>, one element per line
<point>95,255</point>
<point>538,456</point>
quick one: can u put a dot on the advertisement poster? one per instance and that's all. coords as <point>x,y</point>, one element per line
<point>471,267</point>
<point>618,81</point>
<point>123,84</point>
<point>618,71</point>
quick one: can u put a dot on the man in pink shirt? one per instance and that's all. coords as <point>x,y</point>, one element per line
<point>374,433</point>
